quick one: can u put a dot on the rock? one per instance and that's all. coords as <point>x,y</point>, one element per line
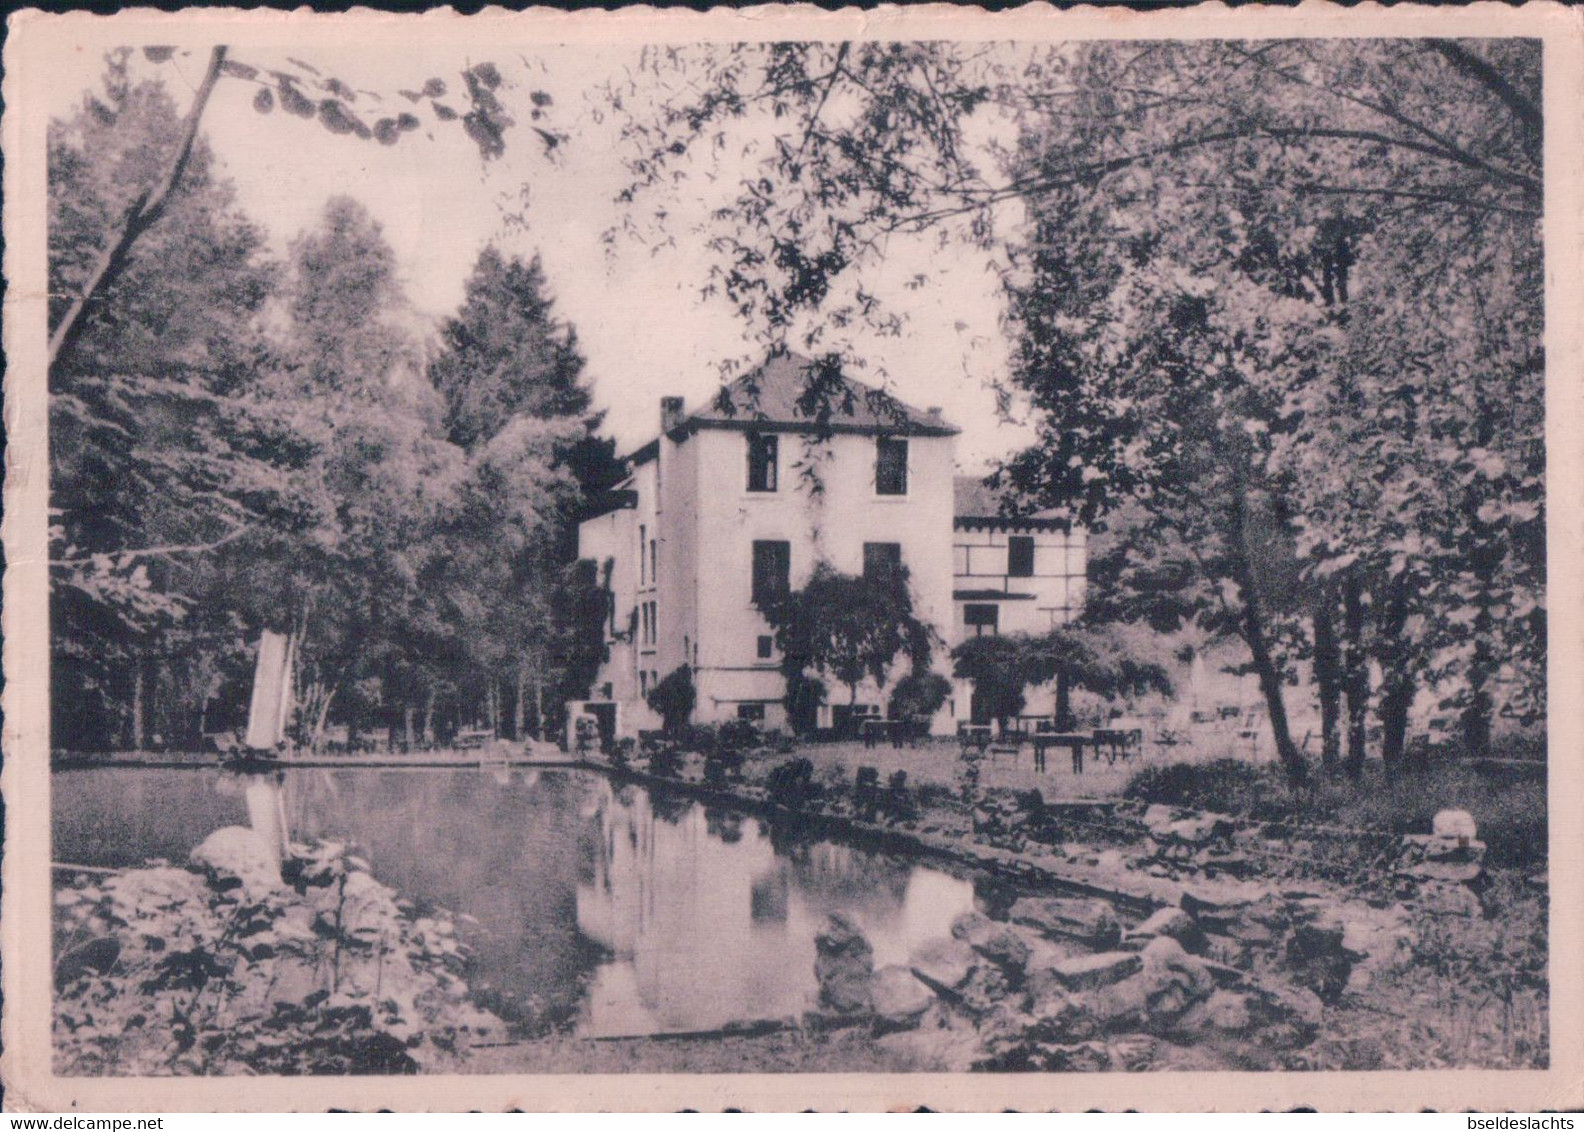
<point>1091,971</point>
<point>986,988</point>
<point>1288,1017</point>
<point>944,964</point>
<point>1457,824</point>
<point>843,966</point>
<point>1212,905</point>
<point>1167,923</point>
<point>1015,1041</point>
<point>1158,820</point>
<point>235,857</point>
<point>1152,998</point>
<point>999,943</point>
<point>1439,898</point>
<point>1089,920</point>
<point>1317,958</point>
<point>1448,872</point>
<point>1223,1013</point>
<point>898,998</point>
<point>1054,1015</point>
<point>933,1050</point>
<point>1256,923</point>
<point>1172,981</point>
<point>1201,829</point>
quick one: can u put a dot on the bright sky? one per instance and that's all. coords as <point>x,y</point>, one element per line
<point>635,303</point>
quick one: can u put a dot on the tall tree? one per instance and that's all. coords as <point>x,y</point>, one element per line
<point>505,354</point>
<point>163,449</point>
<point>510,376</point>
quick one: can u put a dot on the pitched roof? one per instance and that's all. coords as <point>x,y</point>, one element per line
<point>789,394</point>
<point>976,503</point>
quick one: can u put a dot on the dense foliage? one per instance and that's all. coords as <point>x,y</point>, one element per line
<point>240,444</point>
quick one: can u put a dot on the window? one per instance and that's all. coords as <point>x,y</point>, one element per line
<point>772,572</point>
<point>654,563</point>
<point>766,647</point>
<point>654,623</point>
<point>643,683</point>
<point>1020,556</point>
<point>982,619</point>
<point>762,452</point>
<point>643,537</point>
<point>754,712</point>
<point>891,459</point>
<point>882,560</point>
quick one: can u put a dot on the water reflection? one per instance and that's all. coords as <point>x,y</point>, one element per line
<point>603,908</point>
<point>709,918</point>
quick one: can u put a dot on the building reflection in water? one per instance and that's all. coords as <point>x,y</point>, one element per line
<point>583,904</point>
<point>707,919</point>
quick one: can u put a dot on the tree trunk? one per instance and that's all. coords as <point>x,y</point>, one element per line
<point>135,735</point>
<point>1254,634</point>
<point>1328,677</point>
<point>1397,682</point>
<point>428,716</point>
<point>1064,715</point>
<point>522,703</point>
<point>1476,722</point>
<point>316,739</point>
<point>407,724</point>
<point>1355,681</point>
<point>539,711</point>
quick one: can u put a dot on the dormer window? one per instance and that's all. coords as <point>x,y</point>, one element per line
<point>762,461</point>
<point>891,466</point>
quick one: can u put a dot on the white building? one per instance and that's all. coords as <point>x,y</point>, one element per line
<point>738,500</point>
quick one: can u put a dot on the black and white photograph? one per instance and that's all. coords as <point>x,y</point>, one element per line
<point>766,548</point>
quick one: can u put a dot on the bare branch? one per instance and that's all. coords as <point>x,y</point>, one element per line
<point>123,557</point>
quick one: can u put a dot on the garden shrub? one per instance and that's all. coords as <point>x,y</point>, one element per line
<point>919,694</point>
<point>792,783</point>
<point>1225,784</point>
<point>674,697</point>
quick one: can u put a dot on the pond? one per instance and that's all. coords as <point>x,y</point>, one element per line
<point>601,907</point>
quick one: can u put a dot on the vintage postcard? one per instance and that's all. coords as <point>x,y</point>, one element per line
<point>787,559</point>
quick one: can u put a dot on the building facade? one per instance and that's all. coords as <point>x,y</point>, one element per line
<point>734,504</point>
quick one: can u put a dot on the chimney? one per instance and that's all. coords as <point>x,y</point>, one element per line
<point>934,414</point>
<point>670,413</point>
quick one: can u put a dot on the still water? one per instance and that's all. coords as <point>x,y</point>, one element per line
<point>597,906</point>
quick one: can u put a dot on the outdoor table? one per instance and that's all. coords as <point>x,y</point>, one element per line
<point>973,735</point>
<point>1117,741</point>
<point>1075,741</point>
